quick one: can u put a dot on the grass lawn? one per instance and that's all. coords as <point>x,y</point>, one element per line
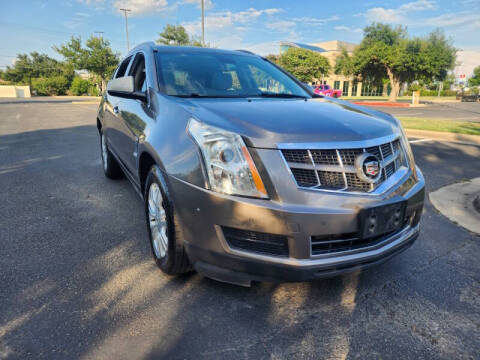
<point>444,125</point>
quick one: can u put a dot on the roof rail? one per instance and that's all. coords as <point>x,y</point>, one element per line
<point>144,44</point>
<point>246,51</point>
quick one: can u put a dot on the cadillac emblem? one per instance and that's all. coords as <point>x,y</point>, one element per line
<point>369,167</point>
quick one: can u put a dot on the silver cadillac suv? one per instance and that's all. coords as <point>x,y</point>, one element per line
<point>247,175</point>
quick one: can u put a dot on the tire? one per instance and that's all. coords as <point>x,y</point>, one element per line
<point>110,165</point>
<point>169,253</point>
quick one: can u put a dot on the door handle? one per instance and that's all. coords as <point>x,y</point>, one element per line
<point>115,109</point>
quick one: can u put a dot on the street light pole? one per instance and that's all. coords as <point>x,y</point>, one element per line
<point>100,33</point>
<point>126,26</point>
<point>203,22</point>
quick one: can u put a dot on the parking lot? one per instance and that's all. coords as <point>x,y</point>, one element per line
<point>77,279</point>
<point>456,111</point>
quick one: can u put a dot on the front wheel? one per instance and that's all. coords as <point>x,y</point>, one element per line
<point>164,229</point>
<point>110,165</point>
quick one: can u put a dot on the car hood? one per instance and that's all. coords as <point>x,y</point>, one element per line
<point>266,123</point>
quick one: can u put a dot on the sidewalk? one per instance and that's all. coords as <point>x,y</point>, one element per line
<point>458,202</point>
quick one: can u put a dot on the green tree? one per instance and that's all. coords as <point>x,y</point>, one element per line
<point>96,57</point>
<point>174,35</point>
<point>80,86</point>
<point>304,64</point>
<point>177,35</point>
<point>36,65</point>
<point>344,64</point>
<point>475,79</point>
<point>273,58</point>
<point>387,52</point>
<point>52,85</point>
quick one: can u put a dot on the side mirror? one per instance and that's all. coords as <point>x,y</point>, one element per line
<point>123,87</point>
<point>120,85</point>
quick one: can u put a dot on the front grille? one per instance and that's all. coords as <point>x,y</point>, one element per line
<point>326,157</point>
<point>334,169</point>
<point>327,244</point>
<point>305,177</point>
<point>257,242</point>
<point>331,179</point>
<point>297,156</point>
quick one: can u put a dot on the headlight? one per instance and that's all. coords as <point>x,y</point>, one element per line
<point>230,168</point>
<point>408,150</point>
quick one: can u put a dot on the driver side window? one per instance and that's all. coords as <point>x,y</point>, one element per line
<point>137,70</point>
<point>123,68</point>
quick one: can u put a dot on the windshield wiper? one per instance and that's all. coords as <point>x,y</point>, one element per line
<point>281,95</point>
<point>195,95</point>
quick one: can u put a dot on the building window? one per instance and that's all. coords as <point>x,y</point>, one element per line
<point>372,89</point>
<point>345,88</point>
<point>336,85</point>
<point>354,87</point>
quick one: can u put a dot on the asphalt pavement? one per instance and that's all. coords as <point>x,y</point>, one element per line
<point>457,111</point>
<point>77,280</point>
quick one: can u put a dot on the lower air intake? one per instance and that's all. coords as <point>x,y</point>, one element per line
<point>256,242</point>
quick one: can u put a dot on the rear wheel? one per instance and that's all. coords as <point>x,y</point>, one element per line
<point>110,165</point>
<point>164,229</point>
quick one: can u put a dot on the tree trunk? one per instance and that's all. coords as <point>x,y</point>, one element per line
<point>395,85</point>
<point>104,85</point>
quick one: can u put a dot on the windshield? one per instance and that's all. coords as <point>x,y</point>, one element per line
<point>195,74</point>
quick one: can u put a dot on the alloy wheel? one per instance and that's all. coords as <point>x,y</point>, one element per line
<point>157,219</point>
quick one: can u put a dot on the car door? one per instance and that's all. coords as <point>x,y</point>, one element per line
<point>112,119</point>
<point>135,115</point>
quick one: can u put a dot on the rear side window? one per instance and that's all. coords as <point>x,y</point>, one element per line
<point>123,67</point>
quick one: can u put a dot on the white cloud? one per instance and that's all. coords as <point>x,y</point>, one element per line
<point>221,20</point>
<point>453,19</point>
<point>398,15</point>
<point>80,14</point>
<point>91,2</point>
<point>347,28</point>
<point>207,3</point>
<point>311,21</point>
<point>281,25</point>
<point>141,7</point>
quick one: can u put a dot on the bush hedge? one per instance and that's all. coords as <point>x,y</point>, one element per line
<point>55,85</point>
<point>79,86</point>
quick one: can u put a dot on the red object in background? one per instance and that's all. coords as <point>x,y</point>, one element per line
<point>326,90</point>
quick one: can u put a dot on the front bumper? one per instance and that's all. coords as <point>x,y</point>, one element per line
<point>203,213</point>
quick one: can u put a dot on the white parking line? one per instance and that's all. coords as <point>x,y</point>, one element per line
<point>419,140</point>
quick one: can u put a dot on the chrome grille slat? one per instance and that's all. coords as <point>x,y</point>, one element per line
<point>334,169</point>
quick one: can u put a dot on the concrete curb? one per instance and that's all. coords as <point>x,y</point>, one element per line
<point>445,136</point>
<point>457,203</point>
<point>382,103</point>
<point>86,102</point>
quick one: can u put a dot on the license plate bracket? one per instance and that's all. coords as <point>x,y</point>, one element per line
<point>381,220</point>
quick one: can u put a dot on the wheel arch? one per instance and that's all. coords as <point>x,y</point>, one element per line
<point>145,163</point>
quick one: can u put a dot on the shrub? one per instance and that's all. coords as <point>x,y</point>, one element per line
<point>55,85</point>
<point>93,91</point>
<point>79,86</point>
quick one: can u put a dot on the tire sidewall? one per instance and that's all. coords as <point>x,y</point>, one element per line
<point>165,263</point>
<point>104,166</point>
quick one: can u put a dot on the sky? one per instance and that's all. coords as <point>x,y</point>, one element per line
<point>255,25</point>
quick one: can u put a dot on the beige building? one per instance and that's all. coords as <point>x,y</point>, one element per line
<point>350,86</point>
